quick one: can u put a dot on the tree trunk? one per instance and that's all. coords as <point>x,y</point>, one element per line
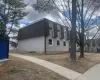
<point>82,34</point>
<point>73,33</point>
<point>81,51</point>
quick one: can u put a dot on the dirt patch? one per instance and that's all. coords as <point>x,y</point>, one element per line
<point>19,69</point>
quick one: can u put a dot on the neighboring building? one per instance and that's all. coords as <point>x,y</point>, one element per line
<point>44,36</point>
<point>12,45</point>
<point>93,45</point>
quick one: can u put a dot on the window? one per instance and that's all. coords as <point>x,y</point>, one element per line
<point>50,33</point>
<point>58,27</point>
<point>65,33</point>
<point>50,24</point>
<point>58,42</point>
<point>64,43</point>
<point>64,30</point>
<point>50,41</point>
<point>58,34</point>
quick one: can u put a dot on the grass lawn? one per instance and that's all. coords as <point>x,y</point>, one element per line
<point>81,66</point>
<point>19,69</point>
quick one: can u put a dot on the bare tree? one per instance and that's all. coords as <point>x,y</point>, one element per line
<point>73,32</point>
<point>86,10</point>
<point>85,17</point>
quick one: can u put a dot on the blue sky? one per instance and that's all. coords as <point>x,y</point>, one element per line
<point>23,21</point>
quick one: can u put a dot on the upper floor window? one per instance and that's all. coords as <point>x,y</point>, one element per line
<point>64,30</point>
<point>65,33</point>
<point>58,27</point>
<point>58,34</point>
<point>50,24</point>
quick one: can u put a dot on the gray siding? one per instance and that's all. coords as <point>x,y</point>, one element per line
<point>34,30</point>
<point>42,28</point>
<point>35,37</point>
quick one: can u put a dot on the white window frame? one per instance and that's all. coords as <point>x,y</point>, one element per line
<point>52,42</point>
<point>65,42</point>
<point>59,43</point>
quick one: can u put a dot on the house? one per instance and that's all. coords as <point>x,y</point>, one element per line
<point>93,45</point>
<point>44,36</point>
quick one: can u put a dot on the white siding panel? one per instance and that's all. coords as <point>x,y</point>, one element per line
<point>55,47</point>
<point>33,44</point>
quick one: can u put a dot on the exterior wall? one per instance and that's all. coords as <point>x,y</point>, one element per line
<point>93,48</point>
<point>33,44</point>
<point>61,37</point>
<point>50,30</point>
<point>54,47</point>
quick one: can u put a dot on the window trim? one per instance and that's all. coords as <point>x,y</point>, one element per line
<point>52,42</point>
<point>57,43</point>
<point>64,43</point>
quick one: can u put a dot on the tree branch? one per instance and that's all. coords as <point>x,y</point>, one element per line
<point>90,16</point>
<point>88,7</point>
<point>92,24</point>
<point>60,11</point>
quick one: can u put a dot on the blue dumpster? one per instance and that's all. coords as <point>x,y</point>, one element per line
<point>4,49</point>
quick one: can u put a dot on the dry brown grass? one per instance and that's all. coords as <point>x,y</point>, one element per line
<point>19,69</point>
<point>81,65</point>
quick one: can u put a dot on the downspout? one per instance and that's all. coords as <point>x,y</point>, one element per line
<point>45,38</point>
<point>45,44</point>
